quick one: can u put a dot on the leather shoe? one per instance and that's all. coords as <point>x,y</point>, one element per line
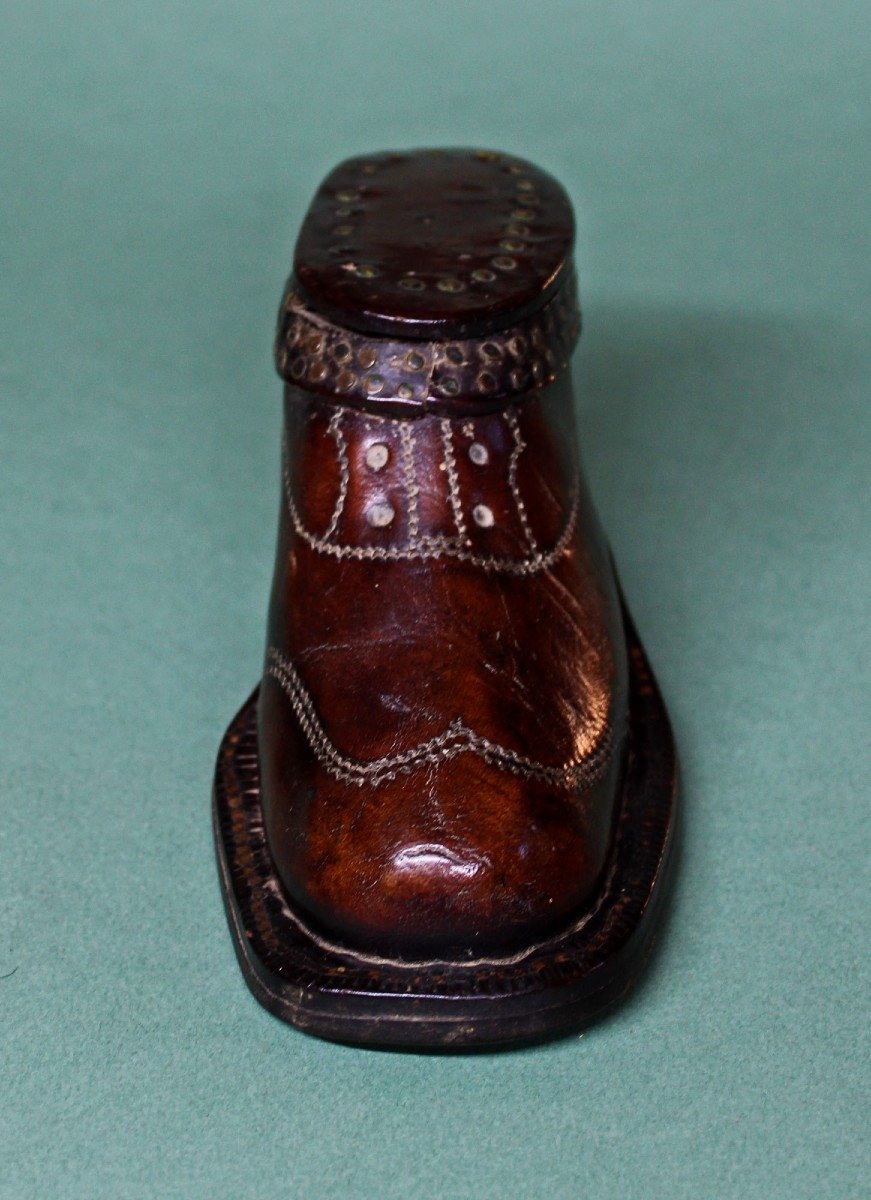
<point>445,815</point>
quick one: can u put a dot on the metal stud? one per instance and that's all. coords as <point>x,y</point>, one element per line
<point>483,516</point>
<point>377,456</point>
<point>504,262</point>
<point>479,454</point>
<point>379,514</point>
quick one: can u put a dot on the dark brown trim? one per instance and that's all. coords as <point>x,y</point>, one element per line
<point>409,377</point>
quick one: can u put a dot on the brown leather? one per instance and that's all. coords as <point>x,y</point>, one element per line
<point>469,374</point>
<point>442,722</point>
<point>434,242</point>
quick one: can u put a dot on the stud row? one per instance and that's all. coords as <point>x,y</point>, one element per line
<point>380,513</point>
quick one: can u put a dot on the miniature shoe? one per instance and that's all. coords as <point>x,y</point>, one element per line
<point>444,817</point>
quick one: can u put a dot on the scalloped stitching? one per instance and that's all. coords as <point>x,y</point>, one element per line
<point>457,739</point>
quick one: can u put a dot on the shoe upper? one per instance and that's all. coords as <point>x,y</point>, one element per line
<point>442,719</point>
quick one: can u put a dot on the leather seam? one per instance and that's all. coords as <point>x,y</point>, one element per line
<point>412,490</point>
<point>454,497</point>
<point>425,546</point>
<point>519,446</point>
<point>456,739</point>
<point>335,430</point>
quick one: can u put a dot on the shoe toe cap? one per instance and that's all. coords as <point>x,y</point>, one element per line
<point>483,863</point>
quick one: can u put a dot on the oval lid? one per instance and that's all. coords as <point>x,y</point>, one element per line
<point>429,243</point>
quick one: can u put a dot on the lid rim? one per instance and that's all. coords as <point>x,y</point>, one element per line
<point>418,375</point>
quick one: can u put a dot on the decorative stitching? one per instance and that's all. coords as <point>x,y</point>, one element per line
<point>430,546</point>
<point>457,739</point>
<point>335,429</point>
<point>411,487</point>
<point>453,481</point>
<point>519,447</point>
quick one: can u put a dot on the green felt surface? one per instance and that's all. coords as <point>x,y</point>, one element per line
<point>156,162</point>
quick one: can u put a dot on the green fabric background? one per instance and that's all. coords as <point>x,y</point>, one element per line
<point>156,160</point>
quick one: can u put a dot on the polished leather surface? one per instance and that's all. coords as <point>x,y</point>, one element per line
<point>442,723</point>
<point>434,242</point>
